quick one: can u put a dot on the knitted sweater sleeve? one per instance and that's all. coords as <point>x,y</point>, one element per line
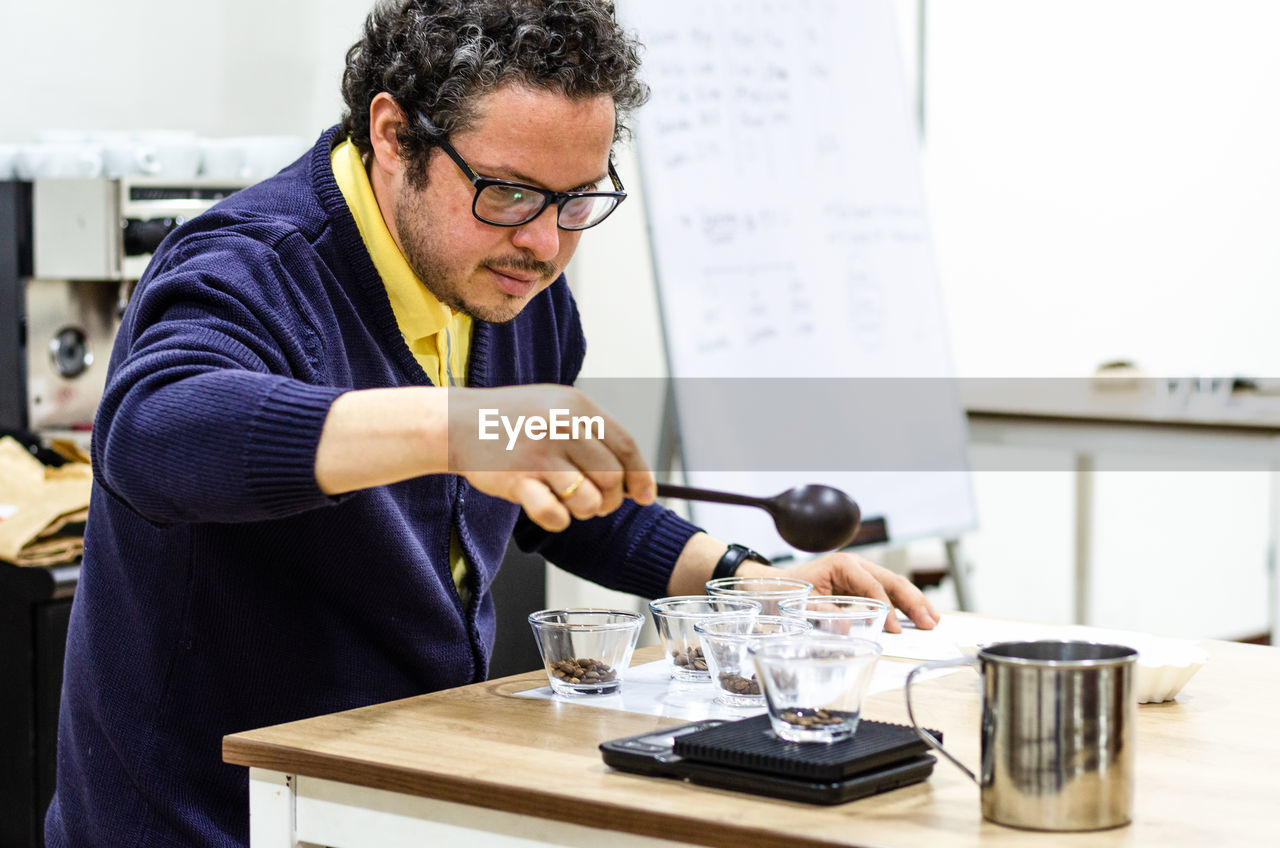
<point>214,403</point>
<point>633,549</point>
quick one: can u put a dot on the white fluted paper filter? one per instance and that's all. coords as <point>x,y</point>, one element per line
<point>1164,667</point>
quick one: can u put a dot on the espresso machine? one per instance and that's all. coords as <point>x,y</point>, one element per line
<point>71,251</point>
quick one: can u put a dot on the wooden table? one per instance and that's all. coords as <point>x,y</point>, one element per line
<point>477,766</point>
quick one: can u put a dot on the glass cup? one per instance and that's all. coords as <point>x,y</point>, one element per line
<point>814,684</point>
<point>769,591</point>
<point>674,619</point>
<point>586,651</point>
<point>844,615</point>
<point>725,642</point>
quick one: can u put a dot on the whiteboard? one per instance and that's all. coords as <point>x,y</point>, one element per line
<point>799,296</point>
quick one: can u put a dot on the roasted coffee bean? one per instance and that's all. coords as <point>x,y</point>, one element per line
<point>740,685</point>
<point>691,658</point>
<point>817,718</point>
<point>587,671</point>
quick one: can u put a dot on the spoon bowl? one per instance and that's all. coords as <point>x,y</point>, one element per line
<point>816,518</point>
<point>812,518</point>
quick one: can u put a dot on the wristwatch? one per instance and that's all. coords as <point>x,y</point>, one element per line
<point>734,557</point>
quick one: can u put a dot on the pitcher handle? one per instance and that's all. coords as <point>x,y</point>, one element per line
<point>928,737</point>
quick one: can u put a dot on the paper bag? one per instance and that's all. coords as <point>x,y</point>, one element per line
<point>36,503</point>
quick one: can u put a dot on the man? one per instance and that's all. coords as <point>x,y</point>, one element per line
<point>283,523</point>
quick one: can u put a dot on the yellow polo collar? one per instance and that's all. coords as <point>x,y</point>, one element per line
<point>420,316</point>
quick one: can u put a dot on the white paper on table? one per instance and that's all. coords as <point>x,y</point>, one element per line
<point>966,635</point>
<point>913,644</point>
<point>956,636</point>
<point>649,689</point>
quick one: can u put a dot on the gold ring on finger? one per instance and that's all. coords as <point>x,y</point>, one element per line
<point>573,487</point>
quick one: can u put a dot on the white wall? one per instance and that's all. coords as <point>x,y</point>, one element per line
<point>225,68</point>
<point>1105,183</point>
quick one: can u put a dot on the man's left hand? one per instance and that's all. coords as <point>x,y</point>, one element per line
<point>849,574</point>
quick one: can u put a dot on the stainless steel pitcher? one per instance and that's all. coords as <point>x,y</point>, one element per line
<point>1057,733</point>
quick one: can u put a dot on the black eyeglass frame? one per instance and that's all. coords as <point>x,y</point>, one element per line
<point>559,198</point>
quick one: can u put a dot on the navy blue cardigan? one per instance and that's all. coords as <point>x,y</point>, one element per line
<point>221,589</point>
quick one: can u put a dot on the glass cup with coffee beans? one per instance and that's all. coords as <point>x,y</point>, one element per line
<point>674,618</point>
<point>586,651</point>
<point>726,641</point>
<point>814,684</point>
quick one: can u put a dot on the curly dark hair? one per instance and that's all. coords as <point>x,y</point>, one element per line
<point>439,56</point>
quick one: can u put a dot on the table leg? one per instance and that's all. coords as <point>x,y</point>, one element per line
<point>959,574</point>
<point>1084,537</point>
<point>271,809</point>
<point>1273,561</point>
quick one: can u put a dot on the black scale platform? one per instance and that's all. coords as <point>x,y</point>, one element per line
<point>751,744</point>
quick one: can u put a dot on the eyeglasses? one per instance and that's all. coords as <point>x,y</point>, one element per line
<point>504,203</point>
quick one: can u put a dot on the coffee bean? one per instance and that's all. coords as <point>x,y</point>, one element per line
<point>815,718</point>
<point>585,670</point>
<point>688,658</point>
<point>740,685</point>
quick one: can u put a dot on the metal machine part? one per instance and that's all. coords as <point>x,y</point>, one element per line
<point>71,251</point>
<point>71,326</point>
<point>100,229</point>
<point>15,266</point>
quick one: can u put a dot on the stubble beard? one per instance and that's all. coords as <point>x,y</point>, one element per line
<point>423,251</point>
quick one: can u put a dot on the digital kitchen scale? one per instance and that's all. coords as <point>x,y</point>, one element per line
<point>745,755</point>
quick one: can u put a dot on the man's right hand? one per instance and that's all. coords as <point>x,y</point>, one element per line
<point>551,479</point>
<point>375,437</point>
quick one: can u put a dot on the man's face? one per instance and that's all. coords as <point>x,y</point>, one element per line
<point>535,137</point>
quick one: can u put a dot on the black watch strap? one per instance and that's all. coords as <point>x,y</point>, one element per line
<point>734,557</point>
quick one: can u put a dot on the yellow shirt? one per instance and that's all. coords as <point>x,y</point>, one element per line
<point>438,337</point>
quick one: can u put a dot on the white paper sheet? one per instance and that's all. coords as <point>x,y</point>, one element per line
<point>956,635</point>
<point>649,689</point>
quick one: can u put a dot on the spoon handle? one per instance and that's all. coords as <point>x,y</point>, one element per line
<point>690,493</point>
